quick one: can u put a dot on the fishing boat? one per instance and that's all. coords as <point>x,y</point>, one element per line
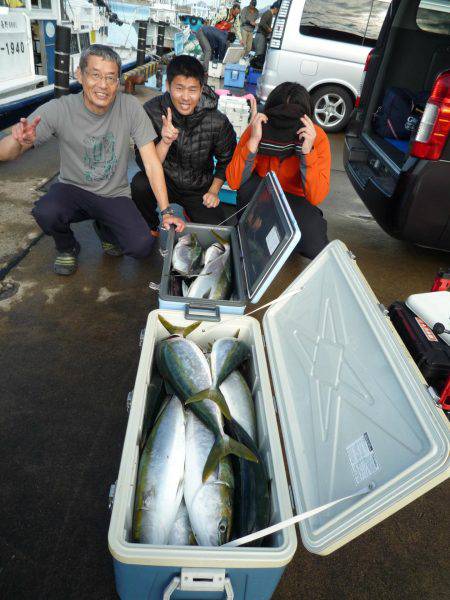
<point>27,48</point>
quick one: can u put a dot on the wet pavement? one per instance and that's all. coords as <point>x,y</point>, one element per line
<point>69,354</point>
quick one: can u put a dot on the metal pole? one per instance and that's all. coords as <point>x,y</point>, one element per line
<point>142,42</point>
<point>62,61</point>
<point>160,38</point>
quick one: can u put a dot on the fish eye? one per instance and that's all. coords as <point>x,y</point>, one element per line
<point>223,525</point>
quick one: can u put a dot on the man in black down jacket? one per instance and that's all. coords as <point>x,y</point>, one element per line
<point>190,133</point>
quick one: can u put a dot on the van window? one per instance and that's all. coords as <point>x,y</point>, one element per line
<point>352,21</point>
<point>434,16</point>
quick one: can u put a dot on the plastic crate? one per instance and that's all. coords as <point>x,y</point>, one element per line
<point>253,75</point>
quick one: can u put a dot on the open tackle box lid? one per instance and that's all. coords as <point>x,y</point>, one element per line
<point>268,233</point>
<point>355,411</point>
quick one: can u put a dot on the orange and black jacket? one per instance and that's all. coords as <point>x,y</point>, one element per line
<point>308,175</point>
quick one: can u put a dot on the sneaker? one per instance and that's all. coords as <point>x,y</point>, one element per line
<point>66,263</point>
<point>107,247</point>
<point>111,249</point>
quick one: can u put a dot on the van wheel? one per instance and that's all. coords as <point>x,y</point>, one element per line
<point>332,106</point>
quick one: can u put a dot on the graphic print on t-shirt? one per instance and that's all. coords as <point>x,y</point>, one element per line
<point>100,160</point>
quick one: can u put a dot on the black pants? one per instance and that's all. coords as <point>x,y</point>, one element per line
<point>192,202</point>
<point>313,226</point>
<point>118,220</point>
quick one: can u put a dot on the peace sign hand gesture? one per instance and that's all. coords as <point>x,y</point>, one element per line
<point>25,133</point>
<point>307,134</point>
<point>169,133</point>
<point>257,119</point>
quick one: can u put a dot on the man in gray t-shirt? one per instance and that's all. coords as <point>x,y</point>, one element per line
<point>94,129</point>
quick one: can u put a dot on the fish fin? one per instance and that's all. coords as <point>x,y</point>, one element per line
<point>214,395</point>
<point>236,335</point>
<point>175,329</point>
<point>222,241</point>
<point>207,293</point>
<point>224,446</point>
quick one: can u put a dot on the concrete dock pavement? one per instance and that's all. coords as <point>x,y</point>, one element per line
<point>69,354</point>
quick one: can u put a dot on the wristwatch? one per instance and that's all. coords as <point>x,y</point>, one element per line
<point>167,211</point>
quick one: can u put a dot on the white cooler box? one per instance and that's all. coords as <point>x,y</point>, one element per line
<point>257,254</point>
<point>355,412</point>
<point>216,69</point>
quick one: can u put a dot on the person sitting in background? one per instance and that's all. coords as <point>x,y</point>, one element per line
<point>284,139</point>
<point>191,132</point>
<point>214,40</point>
<point>249,16</point>
<point>264,30</point>
<point>94,128</point>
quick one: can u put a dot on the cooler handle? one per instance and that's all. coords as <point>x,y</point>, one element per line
<point>204,312</point>
<point>193,580</point>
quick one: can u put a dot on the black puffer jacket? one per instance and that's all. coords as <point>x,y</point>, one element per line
<point>205,134</point>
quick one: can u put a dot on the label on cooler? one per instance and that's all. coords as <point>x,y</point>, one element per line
<point>361,456</point>
<point>428,333</point>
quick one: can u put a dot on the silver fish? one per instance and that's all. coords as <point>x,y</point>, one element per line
<point>159,487</point>
<point>227,354</point>
<point>184,366</point>
<point>209,503</point>
<point>213,251</point>
<point>187,255</point>
<point>181,533</point>
<point>214,280</point>
<point>240,402</point>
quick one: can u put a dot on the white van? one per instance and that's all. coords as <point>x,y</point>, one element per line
<point>323,45</point>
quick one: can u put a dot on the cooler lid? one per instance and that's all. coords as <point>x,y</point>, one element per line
<point>353,407</point>
<point>268,232</point>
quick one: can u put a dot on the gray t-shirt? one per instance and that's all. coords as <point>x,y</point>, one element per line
<point>94,149</point>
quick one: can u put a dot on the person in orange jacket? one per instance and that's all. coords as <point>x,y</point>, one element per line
<point>284,139</point>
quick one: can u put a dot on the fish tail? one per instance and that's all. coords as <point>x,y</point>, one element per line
<point>214,395</point>
<point>219,238</point>
<point>224,446</point>
<point>175,329</point>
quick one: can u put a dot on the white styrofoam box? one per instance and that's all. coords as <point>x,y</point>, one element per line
<point>216,70</point>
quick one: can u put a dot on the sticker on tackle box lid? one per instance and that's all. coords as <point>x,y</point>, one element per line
<point>268,232</point>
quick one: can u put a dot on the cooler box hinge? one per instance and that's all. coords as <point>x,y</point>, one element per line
<point>111,495</point>
<point>129,400</point>
<point>200,581</point>
<point>433,394</point>
<point>383,309</point>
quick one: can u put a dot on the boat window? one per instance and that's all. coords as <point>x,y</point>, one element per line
<point>74,44</point>
<point>434,16</point>
<point>44,4</point>
<point>84,41</point>
<point>352,21</point>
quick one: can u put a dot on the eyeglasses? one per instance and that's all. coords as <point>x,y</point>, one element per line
<point>97,77</point>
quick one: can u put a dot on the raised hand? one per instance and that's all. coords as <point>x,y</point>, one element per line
<point>169,133</point>
<point>307,134</point>
<point>257,119</point>
<point>25,133</point>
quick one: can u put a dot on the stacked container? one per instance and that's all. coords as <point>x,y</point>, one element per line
<point>237,110</point>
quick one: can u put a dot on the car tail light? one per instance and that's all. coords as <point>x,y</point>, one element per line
<point>435,124</point>
<point>363,76</point>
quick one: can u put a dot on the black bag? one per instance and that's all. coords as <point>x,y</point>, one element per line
<point>430,353</point>
<point>400,113</point>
